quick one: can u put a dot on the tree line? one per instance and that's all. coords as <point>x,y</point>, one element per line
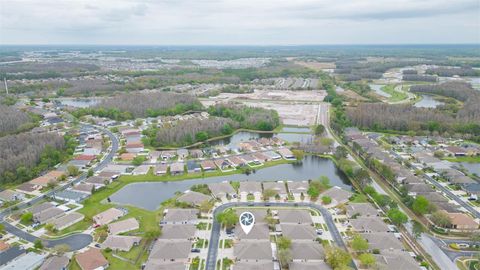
<point>13,120</point>
<point>27,155</point>
<point>247,117</point>
<point>140,105</point>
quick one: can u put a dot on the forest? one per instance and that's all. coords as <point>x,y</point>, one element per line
<point>404,118</point>
<point>13,120</point>
<point>247,117</point>
<point>450,72</point>
<point>138,105</point>
<point>419,78</point>
<point>192,131</point>
<point>27,155</point>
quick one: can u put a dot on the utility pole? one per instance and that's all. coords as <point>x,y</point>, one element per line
<point>6,85</point>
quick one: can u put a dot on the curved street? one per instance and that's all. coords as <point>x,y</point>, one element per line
<point>215,235</point>
<point>75,241</point>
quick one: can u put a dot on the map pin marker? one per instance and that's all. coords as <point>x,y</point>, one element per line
<point>247,220</point>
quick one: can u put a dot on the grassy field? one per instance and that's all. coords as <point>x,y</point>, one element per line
<point>471,159</point>
<point>395,96</point>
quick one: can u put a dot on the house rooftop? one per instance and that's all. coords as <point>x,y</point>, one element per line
<point>91,259</point>
<point>382,240</point>
<point>369,224</point>
<point>122,226</point>
<point>257,265</point>
<point>193,198</point>
<point>307,251</point>
<point>253,250</point>
<point>361,209</point>
<point>178,231</point>
<point>171,249</point>
<point>294,216</point>
<point>181,215</point>
<point>120,242</point>
<point>298,231</point>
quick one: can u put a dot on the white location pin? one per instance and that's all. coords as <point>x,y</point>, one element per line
<point>247,220</point>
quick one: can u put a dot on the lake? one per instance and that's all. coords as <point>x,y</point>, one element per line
<point>149,195</point>
<point>428,102</point>
<point>471,167</point>
<point>233,141</point>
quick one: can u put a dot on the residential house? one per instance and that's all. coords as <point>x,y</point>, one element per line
<point>161,169</point>
<point>45,216</point>
<point>294,216</point>
<point>91,259</point>
<point>253,250</point>
<point>286,153</point>
<point>223,164</point>
<point>141,170</point>
<point>297,188</point>
<point>8,195</point>
<point>128,156</point>
<point>254,265</point>
<point>250,187</point>
<point>55,263</point>
<point>307,251</point>
<point>369,225</point>
<point>180,216</point>
<point>221,190</point>
<point>361,209</point>
<point>134,147</point>
<point>461,221</point>
<point>182,153</point>
<point>67,220</point>
<point>123,226</point>
<point>28,188</point>
<point>108,216</point>
<point>337,194</point>
<point>236,161</point>
<point>177,231</point>
<point>382,241</point>
<point>166,155</point>
<point>193,166</point>
<point>396,259</point>
<point>97,181</point>
<point>120,242</point>
<point>84,187</point>
<point>456,151</point>
<point>177,168</point>
<point>260,157</point>
<point>196,153</point>
<point>272,155</point>
<point>313,265</point>
<point>298,231</point>
<point>259,232</point>
<point>71,196</point>
<point>278,187</point>
<point>176,250</point>
<point>193,198</point>
<point>208,165</point>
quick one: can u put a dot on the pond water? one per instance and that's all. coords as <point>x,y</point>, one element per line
<point>428,102</point>
<point>79,102</point>
<point>152,194</point>
<point>471,167</point>
<point>378,89</point>
<point>235,139</point>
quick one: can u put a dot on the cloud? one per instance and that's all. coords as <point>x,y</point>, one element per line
<point>233,21</point>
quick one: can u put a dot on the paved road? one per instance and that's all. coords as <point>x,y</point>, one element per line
<point>215,236</point>
<point>75,241</point>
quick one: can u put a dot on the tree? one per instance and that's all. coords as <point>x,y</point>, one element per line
<point>313,193</point>
<point>336,257</point>
<point>319,129</point>
<point>227,218</point>
<point>398,217</point>
<point>90,173</point>
<point>73,170</point>
<point>268,193</point>
<point>152,234</point>
<point>362,176</point>
<point>441,219</point>
<point>299,154</point>
<point>270,220</point>
<point>420,205</point>
<point>284,242</point>
<point>205,206</point>
<point>38,244</point>
<point>2,228</point>
<point>326,199</point>
<point>367,259</point>
<point>26,218</point>
<point>284,256</point>
<point>61,249</point>
<point>341,152</point>
<point>417,229</point>
<point>50,228</point>
<point>359,244</point>
<point>138,160</point>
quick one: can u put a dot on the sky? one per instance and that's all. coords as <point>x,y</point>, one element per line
<point>239,22</point>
